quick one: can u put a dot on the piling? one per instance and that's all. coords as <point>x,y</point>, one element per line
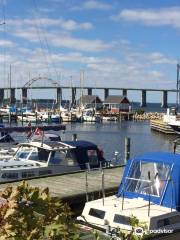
<point>22,118</point>
<point>36,118</point>
<point>74,137</point>
<point>127,149</point>
<point>9,118</point>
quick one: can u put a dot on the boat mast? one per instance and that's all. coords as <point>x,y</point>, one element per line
<point>178,87</point>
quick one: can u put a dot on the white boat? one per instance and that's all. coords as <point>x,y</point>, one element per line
<point>89,115</point>
<point>39,158</point>
<point>172,118</point>
<point>52,117</point>
<point>149,191</point>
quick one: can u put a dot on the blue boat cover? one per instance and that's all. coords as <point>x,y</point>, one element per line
<point>154,176</point>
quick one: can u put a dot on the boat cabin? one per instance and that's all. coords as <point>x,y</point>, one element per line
<point>149,190</point>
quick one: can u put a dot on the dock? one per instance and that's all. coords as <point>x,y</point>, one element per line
<point>71,187</point>
<point>160,126</point>
<point>52,127</point>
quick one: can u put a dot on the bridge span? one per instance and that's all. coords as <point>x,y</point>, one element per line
<point>39,83</point>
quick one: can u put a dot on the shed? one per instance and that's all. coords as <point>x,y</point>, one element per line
<point>116,103</point>
<point>90,101</point>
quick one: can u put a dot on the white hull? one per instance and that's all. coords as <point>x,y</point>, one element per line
<point>111,215</point>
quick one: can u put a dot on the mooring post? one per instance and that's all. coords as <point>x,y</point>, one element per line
<point>36,118</point>
<point>22,120</point>
<point>127,149</point>
<point>74,137</point>
<point>10,118</point>
<point>103,191</point>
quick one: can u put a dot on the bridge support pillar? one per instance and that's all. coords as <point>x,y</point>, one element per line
<point>89,91</point>
<point>1,95</point>
<point>164,103</point>
<point>59,97</point>
<point>24,95</point>
<point>12,96</point>
<point>73,100</point>
<point>124,92</point>
<point>143,98</point>
<point>106,92</point>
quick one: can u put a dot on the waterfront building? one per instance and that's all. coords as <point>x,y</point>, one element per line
<point>90,101</point>
<point>117,103</point>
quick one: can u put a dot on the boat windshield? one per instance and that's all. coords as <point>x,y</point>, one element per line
<point>148,178</point>
<point>32,153</point>
<point>23,152</point>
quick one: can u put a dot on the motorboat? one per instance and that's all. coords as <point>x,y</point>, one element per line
<point>172,118</point>
<point>89,115</point>
<point>149,191</point>
<point>43,158</point>
<point>52,117</point>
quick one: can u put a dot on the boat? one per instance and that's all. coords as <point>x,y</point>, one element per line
<point>149,191</point>
<point>51,117</point>
<point>172,118</point>
<point>45,158</point>
<point>89,115</point>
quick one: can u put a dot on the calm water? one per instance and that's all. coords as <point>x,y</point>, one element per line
<point>110,137</point>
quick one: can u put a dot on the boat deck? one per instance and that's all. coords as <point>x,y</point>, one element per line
<point>160,126</point>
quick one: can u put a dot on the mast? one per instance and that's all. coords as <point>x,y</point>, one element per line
<point>81,86</point>
<point>178,87</point>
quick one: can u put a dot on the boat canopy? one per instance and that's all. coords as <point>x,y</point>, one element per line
<point>153,176</point>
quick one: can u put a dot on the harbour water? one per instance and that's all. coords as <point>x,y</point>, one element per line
<point>111,136</point>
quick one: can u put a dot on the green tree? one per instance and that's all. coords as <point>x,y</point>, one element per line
<point>32,214</point>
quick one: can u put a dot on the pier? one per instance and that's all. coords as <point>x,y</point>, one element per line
<point>56,127</point>
<point>160,126</point>
<point>72,188</point>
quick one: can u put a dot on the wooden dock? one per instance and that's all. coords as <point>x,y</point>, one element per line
<point>160,126</point>
<point>52,127</point>
<point>71,187</point>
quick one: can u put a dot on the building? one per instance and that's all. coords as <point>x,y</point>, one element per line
<point>90,101</point>
<point>117,103</point>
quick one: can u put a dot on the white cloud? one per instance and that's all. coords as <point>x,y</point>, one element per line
<point>58,39</point>
<point>93,5</point>
<point>69,25</point>
<point>151,17</point>
<point>6,43</point>
<point>80,44</point>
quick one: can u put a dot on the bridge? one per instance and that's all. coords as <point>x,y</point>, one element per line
<point>47,83</point>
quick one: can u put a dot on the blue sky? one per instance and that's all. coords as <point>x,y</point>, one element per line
<point>122,43</point>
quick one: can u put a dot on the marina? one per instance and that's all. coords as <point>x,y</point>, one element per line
<point>89,120</point>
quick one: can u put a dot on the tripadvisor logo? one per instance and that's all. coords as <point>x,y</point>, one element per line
<point>140,231</point>
<point>164,230</point>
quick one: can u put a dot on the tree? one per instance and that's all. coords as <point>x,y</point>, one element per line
<point>31,214</point>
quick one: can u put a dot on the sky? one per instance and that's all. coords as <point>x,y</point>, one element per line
<point>122,43</point>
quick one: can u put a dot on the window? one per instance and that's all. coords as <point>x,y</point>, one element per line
<point>23,152</point>
<point>92,156</point>
<point>121,219</point>
<point>12,175</point>
<point>63,157</point>
<point>168,221</point>
<point>97,213</point>
<point>40,155</point>
<point>45,172</point>
<point>138,180</point>
<point>27,174</point>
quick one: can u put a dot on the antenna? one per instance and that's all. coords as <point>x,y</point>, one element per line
<point>178,86</point>
<point>149,202</point>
